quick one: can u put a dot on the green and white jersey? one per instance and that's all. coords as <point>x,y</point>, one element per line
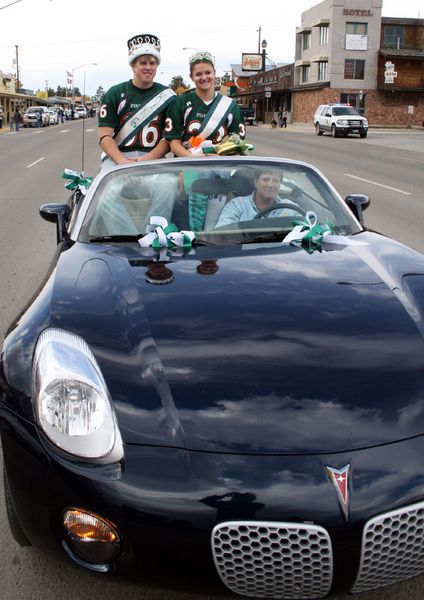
<point>135,128</point>
<point>185,116</point>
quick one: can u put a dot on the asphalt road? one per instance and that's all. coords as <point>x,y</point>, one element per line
<point>387,166</point>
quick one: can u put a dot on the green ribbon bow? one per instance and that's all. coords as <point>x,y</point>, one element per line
<point>310,234</point>
<point>163,235</point>
<point>76,181</point>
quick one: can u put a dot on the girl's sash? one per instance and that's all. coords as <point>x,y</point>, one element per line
<point>216,116</point>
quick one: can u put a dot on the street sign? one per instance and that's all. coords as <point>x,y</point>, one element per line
<point>267,94</point>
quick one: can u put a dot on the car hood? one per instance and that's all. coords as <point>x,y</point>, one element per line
<point>276,352</point>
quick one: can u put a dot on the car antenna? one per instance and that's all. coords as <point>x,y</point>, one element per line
<point>83,136</point>
<point>83,130</point>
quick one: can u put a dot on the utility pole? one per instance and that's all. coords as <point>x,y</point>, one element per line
<point>18,81</point>
<point>259,40</point>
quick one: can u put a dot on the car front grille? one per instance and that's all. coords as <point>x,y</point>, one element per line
<point>355,123</point>
<point>273,560</point>
<point>392,548</point>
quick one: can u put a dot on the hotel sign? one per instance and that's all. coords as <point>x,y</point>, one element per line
<point>356,12</point>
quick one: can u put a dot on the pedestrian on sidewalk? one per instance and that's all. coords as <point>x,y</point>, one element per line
<point>17,119</point>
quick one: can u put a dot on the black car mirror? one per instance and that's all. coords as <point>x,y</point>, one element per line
<point>56,213</point>
<point>357,204</point>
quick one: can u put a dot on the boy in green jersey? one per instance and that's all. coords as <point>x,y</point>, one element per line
<point>131,124</point>
<point>132,114</point>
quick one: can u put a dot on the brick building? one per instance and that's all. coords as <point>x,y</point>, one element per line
<point>345,51</point>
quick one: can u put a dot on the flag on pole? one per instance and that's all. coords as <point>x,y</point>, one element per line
<point>69,79</point>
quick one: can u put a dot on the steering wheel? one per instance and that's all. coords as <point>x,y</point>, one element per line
<point>278,206</point>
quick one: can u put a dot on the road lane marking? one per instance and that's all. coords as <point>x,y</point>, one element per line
<point>64,130</point>
<point>387,187</point>
<point>88,130</point>
<point>37,161</point>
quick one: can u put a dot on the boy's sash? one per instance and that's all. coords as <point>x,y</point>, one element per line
<point>216,116</point>
<point>143,116</point>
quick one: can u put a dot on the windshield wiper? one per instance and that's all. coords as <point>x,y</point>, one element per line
<point>200,242</point>
<point>135,238</point>
<point>273,236</point>
<point>115,238</point>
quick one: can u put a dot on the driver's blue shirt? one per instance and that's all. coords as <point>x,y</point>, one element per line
<point>243,208</point>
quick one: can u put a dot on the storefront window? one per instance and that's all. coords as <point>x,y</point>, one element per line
<point>305,73</point>
<point>354,69</point>
<point>322,71</point>
<point>356,100</point>
<point>394,37</point>
<point>306,40</point>
<point>323,35</point>
<point>357,28</point>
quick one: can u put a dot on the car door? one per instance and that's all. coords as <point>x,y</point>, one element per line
<point>327,118</point>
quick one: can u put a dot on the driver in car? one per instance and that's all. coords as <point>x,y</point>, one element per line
<point>265,194</point>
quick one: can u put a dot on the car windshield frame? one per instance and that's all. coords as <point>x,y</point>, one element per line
<point>221,180</point>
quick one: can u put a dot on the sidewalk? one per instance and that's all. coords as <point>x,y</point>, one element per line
<point>310,126</point>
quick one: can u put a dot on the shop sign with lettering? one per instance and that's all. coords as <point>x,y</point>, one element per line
<point>357,12</point>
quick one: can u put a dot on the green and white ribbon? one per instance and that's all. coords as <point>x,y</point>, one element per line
<point>76,181</point>
<point>161,235</point>
<point>312,235</point>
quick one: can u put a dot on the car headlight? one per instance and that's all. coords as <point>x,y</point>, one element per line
<point>72,403</point>
<point>342,122</point>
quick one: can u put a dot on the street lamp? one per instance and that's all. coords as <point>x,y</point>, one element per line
<point>10,4</point>
<point>264,45</point>
<point>73,86</point>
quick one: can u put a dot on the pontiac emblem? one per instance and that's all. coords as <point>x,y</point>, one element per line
<point>340,480</point>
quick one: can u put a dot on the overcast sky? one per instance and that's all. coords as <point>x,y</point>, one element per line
<point>55,36</point>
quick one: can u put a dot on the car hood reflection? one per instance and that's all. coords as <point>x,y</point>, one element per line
<point>272,352</point>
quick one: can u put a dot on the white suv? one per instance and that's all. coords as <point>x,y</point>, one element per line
<point>81,112</point>
<point>339,119</point>
<point>30,116</point>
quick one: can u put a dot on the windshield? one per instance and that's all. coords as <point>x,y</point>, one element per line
<point>222,201</point>
<point>345,110</point>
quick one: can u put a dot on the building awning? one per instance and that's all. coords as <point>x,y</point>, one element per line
<point>303,30</point>
<point>302,63</point>
<point>410,53</point>
<point>321,22</point>
<point>319,58</point>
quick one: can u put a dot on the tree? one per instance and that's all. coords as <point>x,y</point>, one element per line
<point>62,91</point>
<point>178,84</point>
<point>100,93</point>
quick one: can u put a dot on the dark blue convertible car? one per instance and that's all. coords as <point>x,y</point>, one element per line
<point>222,373</point>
